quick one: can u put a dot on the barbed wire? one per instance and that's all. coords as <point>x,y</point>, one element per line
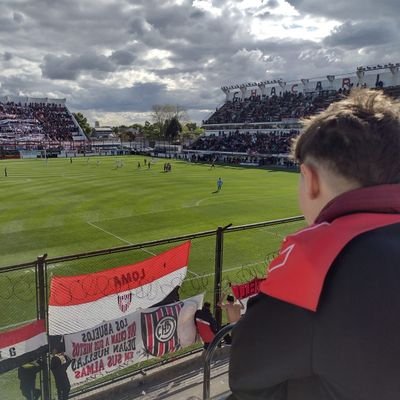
<point>24,288</point>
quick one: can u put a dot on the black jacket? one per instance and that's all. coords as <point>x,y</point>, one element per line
<point>349,349</point>
<point>206,315</point>
<point>58,365</point>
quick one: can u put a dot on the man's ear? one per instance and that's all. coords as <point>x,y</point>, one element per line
<point>312,183</point>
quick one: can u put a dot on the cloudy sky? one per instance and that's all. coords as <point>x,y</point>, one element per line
<point>114,59</point>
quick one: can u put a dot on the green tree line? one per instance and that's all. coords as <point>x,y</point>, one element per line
<point>168,122</point>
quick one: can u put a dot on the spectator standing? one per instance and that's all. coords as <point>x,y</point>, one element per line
<point>59,364</point>
<point>233,309</point>
<point>326,324</point>
<point>233,312</point>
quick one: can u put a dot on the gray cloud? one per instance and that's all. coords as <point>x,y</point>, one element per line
<point>362,34</point>
<point>70,67</point>
<point>345,9</point>
<point>7,56</point>
<point>126,55</point>
<point>122,57</point>
<point>18,17</point>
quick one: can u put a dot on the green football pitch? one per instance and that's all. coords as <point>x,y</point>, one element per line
<point>61,207</point>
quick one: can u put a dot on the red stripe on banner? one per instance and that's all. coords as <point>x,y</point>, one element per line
<point>21,334</point>
<point>79,289</point>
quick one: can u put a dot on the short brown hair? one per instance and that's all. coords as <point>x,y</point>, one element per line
<point>357,137</point>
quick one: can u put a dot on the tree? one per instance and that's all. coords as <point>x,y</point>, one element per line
<point>190,132</point>
<point>163,114</point>
<point>173,129</point>
<point>83,123</point>
<point>151,131</point>
<point>192,126</point>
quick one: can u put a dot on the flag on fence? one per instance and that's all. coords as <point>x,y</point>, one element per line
<point>22,345</point>
<point>247,289</point>
<point>83,301</point>
<point>159,330</point>
<point>138,336</point>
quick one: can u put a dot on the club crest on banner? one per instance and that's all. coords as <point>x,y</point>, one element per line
<point>124,301</point>
<point>159,329</point>
<point>165,329</point>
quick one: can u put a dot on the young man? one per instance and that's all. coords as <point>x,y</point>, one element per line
<point>233,312</point>
<point>326,324</point>
<point>232,309</point>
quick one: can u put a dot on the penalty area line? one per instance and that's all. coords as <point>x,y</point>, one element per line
<point>118,237</point>
<point>108,233</point>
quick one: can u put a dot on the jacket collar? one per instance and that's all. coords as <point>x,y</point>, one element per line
<point>383,199</point>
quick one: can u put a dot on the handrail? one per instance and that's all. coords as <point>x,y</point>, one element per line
<point>208,357</point>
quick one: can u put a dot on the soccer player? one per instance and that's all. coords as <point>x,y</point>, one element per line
<point>219,184</point>
<point>326,324</point>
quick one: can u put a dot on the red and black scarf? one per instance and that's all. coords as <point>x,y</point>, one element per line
<point>298,273</point>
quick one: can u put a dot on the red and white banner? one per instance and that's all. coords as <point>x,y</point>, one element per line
<point>83,301</point>
<point>138,336</point>
<point>247,289</point>
<point>22,345</point>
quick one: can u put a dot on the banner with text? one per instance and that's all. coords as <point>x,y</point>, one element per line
<point>83,301</point>
<point>116,344</point>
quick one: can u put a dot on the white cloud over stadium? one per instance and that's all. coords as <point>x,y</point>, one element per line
<point>114,59</point>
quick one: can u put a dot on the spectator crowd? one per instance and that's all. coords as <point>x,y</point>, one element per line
<point>274,108</point>
<point>36,121</point>
<point>274,142</point>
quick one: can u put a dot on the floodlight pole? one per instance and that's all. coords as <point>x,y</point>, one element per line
<point>219,256</point>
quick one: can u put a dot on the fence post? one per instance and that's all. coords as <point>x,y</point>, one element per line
<point>42,308</point>
<point>219,257</point>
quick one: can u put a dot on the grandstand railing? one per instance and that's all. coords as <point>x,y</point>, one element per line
<point>35,285</point>
<point>208,356</point>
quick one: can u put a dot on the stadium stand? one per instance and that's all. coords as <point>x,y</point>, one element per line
<point>257,121</point>
<point>31,123</point>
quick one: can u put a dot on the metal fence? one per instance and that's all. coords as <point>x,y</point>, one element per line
<point>230,254</point>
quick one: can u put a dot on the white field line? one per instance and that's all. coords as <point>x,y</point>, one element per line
<point>194,273</point>
<point>225,270</point>
<point>200,201</point>
<point>108,233</point>
<point>148,251</point>
<point>118,237</point>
